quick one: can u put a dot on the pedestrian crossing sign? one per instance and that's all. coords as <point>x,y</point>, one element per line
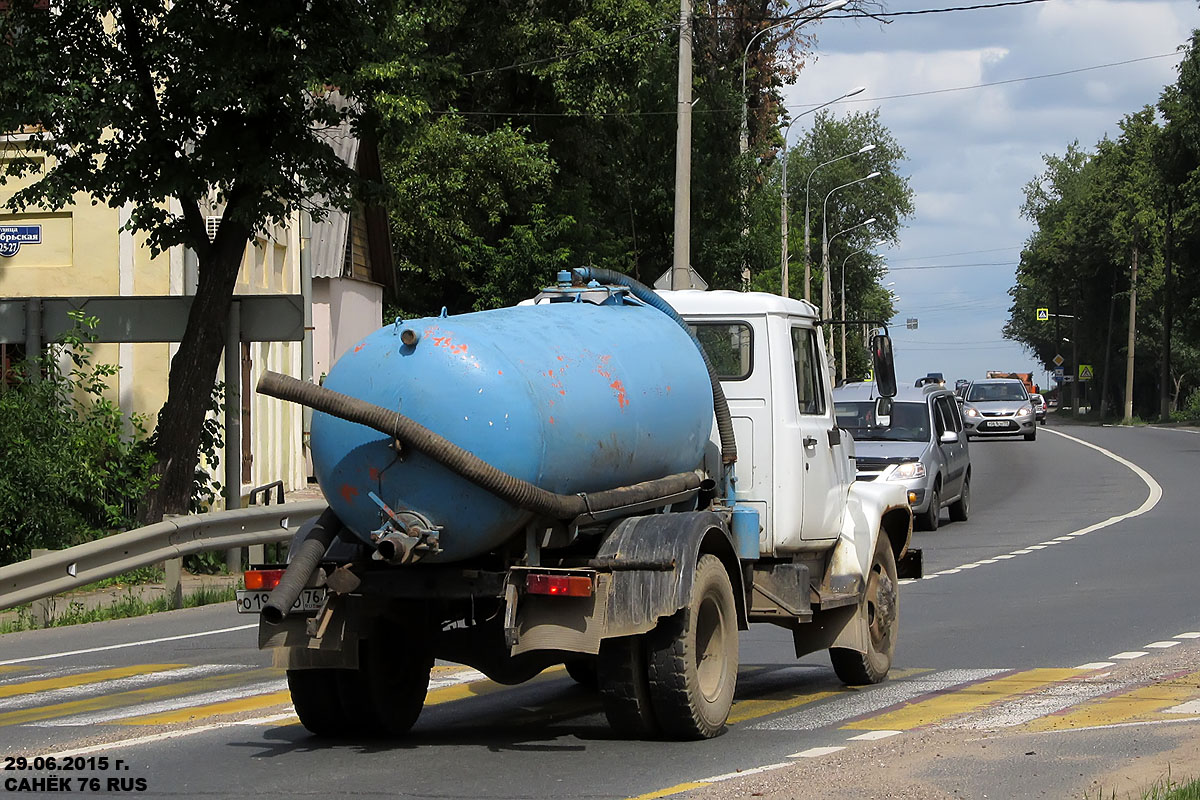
<point>1085,372</point>
<point>1043,315</point>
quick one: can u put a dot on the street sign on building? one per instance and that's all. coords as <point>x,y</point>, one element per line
<point>1058,360</point>
<point>1043,314</point>
<point>1085,372</point>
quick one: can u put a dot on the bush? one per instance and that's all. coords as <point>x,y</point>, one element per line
<point>70,473</point>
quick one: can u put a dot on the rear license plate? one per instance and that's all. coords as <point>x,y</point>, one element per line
<point>998,423</point>
<point>251,602</point>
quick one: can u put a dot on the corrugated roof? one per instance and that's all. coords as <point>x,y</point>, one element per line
<point>329,235</point>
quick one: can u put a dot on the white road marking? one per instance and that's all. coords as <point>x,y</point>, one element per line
<point>968,566</point>
<point>158,707</point>
<point>950,571</point>
<point>817,752</point>
<point>51,696</point>
<point>1128,654</point>
<point>1097,665</point>
<point>886,695</point>
<point>1037,547</point>
<point>1190,707</point>
<point>1051,542</point>
<point>990,560</point>
<point>1161,645</point>
<point>1188,635</point>
<point>1030,707</point>
<point>871,736</point>
<point>1064,538</point>
<point>123,645</point>
<point>1020,552</point>
<point>744,772</point>
<point>162,737</point>
<point>1006,556</point>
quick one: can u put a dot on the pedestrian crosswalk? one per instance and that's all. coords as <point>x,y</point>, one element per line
<point>770,698</point>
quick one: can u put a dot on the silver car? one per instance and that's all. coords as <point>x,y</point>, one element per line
<point>917,440</point>
<point>1039,407</point>
<point>998,407</point>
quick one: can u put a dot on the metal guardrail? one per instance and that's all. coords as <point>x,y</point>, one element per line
<point>64,570</point>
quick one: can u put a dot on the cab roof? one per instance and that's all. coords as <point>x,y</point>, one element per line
<point>726,303</point>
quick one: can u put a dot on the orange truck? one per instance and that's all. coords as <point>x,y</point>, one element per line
<point>1024,377</point>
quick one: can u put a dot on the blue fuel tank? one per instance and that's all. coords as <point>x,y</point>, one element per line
<point>570,396</point>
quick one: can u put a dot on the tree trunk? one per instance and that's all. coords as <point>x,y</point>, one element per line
<point>1129,352</point>
<point>1107,379</point>
<point>193,374</point>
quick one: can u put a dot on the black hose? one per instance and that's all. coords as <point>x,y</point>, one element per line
<point>305,559</point>
<point>521,494</point>
<point>648,296</point>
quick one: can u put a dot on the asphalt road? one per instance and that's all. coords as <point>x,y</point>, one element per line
<point>1071,558</point>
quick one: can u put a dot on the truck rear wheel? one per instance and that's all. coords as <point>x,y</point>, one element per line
<point>693,658</point>
<point>881,605</point>
<point>582,670</point>
<point>385,695</point>
<point>315,694</point>
<point>625,688</point>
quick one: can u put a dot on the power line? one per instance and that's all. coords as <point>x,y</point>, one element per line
<point>957,266</point>
<point>962,253</point>
<point>913,13</point>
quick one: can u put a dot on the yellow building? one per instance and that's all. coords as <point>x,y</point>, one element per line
<point>83,251</point>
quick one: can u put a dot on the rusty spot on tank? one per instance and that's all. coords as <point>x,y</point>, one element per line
<point>373,473</point>
<point>552,420</point>
<point>562,392</point>
<point>560,358</point>
<point>499,372</point>
<point>348,492</point>
<point>619,388</point>
<point>360,347</point>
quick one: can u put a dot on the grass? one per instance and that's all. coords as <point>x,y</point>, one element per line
<point>128,606</point>
<point>1164,789</point>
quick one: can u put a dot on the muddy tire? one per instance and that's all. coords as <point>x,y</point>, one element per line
<point>582,671</point>
<point>960,509</point>
<point>316,696</point>
<point>387,691</point>
<point>881,605</point>
<point>624,687</point>
<point>693,658</point>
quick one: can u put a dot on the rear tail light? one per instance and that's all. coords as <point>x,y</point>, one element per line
<point>262,579</point>
<point>560,585</point>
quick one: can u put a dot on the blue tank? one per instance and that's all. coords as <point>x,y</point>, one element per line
<point>571,396</point>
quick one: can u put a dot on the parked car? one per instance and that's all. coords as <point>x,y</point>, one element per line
<point>1039,407</point>
<point>961,385</point>
<point>998,407</point>
<point>920,443</point>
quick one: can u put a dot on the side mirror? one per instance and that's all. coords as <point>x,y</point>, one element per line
<point>949,437</point>
<point>883,411</point>
<point>883,364</point>
<point>960,399</point>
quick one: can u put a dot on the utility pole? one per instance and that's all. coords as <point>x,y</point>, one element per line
<point>681,263</point>
<point>1132,336</point>
<point>1164,375</point>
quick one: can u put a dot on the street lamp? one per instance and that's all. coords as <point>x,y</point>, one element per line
<point>866,148</point>
<point>744,140</point>
<point>825,310</point>
<point>871,246</point>
<point>783,205</point>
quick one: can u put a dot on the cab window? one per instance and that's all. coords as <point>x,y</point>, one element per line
<point>810,390</point>
<point>728,346</point>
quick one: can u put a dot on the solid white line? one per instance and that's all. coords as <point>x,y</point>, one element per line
<point>161,737</point>
<point>1161,645</point>
<point>1097,665</point>
<point>871,736</point>
<point>123,645</point>
<point>817,752</point>
<point>1129,654</point>
<point>744,772</point>
<point>1151,501</point>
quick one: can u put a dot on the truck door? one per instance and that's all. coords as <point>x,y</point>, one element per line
<point>820,441</point>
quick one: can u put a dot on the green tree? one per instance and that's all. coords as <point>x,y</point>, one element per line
<point>141,102</point>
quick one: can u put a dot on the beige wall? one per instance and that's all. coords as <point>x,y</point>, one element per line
<point>84,252</point>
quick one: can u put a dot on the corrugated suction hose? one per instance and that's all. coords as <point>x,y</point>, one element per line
<point>520,493</point>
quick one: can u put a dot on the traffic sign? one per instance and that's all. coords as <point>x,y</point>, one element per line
<point>1043,314</point>
<point>911,323</point>
<point>1058,373</point>
<point>1085,372</point>
<point>1068,378</point>
<point>1058,360</point>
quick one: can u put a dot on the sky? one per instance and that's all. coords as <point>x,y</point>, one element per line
<point>970,153</point>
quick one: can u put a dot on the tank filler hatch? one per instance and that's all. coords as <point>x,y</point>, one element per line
<point>569,290</point>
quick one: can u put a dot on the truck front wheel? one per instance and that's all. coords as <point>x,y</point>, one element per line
<point>693,658</point>
<point>881,605</point>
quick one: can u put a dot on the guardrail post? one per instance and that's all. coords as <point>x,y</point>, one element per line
<point>173,576</point>
<point>41,611</point>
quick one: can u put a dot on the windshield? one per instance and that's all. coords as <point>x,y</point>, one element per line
<point>986,392</point>
<point>910,422</point>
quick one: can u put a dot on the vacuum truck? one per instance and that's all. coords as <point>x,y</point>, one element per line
<point>603,477</point>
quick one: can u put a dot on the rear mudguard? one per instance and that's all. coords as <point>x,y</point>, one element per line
<point>872,510</point>
<point>632,601</point>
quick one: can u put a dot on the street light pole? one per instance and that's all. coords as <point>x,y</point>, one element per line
<point>825,309</point>
<point>871,246</point>
<point>682,257</point>
<point>783,205</point>
<point>866,148</point>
